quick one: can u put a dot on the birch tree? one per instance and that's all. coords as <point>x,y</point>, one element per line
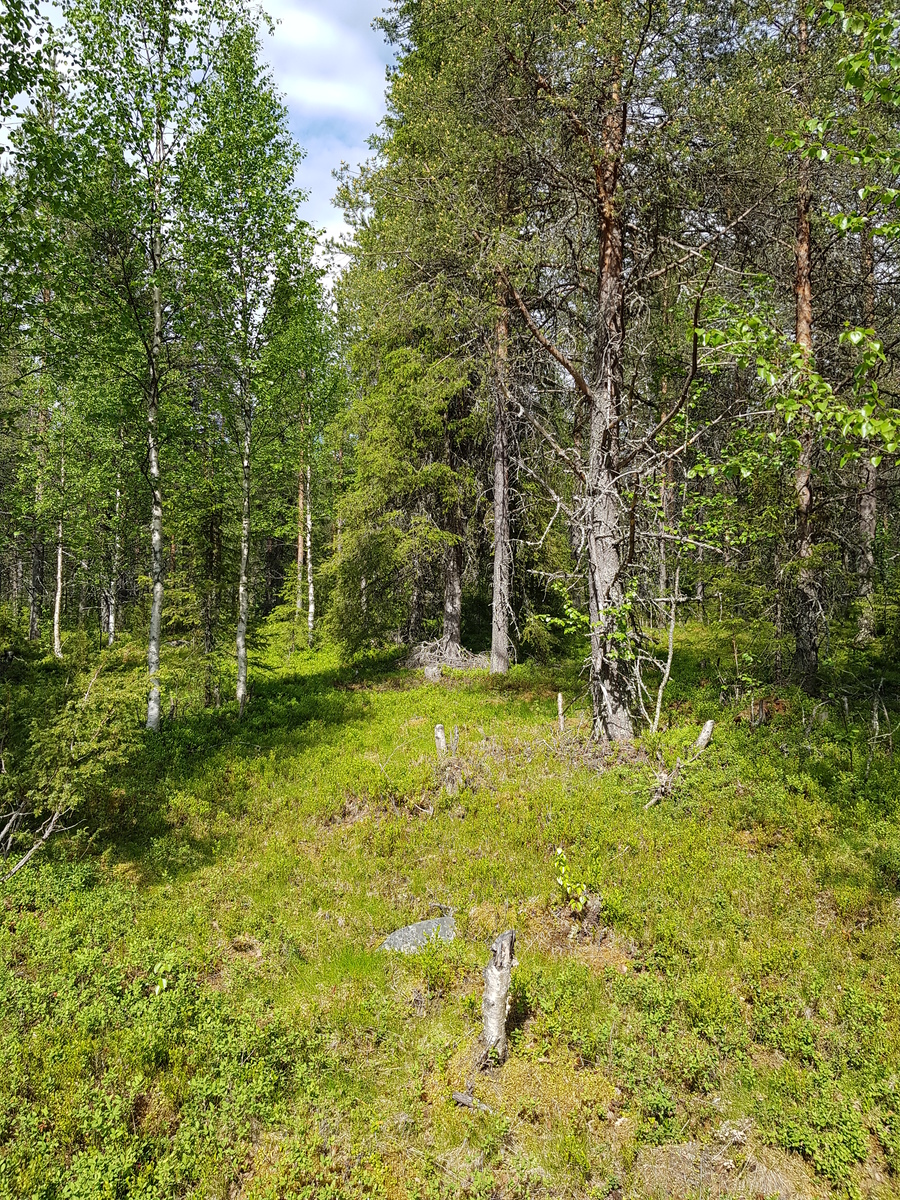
<point>245,248</point>
<point>140,70</point>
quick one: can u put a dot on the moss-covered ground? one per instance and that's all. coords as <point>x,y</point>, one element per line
<point>193,1003</point>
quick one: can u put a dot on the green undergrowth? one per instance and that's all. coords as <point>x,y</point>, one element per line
<point>194,1004</point>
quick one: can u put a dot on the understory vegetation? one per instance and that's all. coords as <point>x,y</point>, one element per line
<point>525,558</point>
<point>194,1002</point>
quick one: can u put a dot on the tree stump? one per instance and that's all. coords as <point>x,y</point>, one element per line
<point>495,1005</point>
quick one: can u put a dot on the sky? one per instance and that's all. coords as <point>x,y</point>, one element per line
<point>330,64</point>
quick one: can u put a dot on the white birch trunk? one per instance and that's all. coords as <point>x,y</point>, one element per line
<point>311,594</point>
<point>495,1004</point>
<point>114,576</point>
<point>57,599</point>
<point>153,471</point>
<point>301,533</point>
<point>868,495</point>
<point>243,589</point>
<point>156,568</point>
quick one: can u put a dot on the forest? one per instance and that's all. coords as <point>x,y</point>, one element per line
<point>523,561</point>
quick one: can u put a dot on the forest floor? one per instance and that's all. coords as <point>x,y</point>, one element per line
<point>200,1009</point>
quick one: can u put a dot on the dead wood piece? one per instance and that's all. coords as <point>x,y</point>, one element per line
<point>705,737</point>
<point>761,712</point>
<point>43,835</point>
<point>441,654</point>
<point>495,1006</point>
<point>561,712</point>
<point>468,1101</point>
<point>666,781</point>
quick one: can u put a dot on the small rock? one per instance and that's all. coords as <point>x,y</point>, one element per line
<point>433,672</point>
<point>411,938</point>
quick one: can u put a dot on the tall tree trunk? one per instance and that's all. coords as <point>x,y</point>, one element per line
<point>243,583</point>
<point>806,605</point>
<point>57,599</point>
<point>18,580</point>
<point>868,503</point>
<point>83,591</point>
<point>609,675</point>
<point>156,563</point>
<point>502,555</point>
<point>58,593</point>
<point>153,471</point>
<point>868,524</point>
<point>311,590</point>
<point>36,587</point>
<point>414,625</point>
<point>112,593</point>
<point>452,636</point>
<point>665,494</point>
<point>301,533</point>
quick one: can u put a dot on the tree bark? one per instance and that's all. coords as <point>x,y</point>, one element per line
<point>311,587</point>
<point>609,677</point>
<point>112,593</point>
<point>243,581</point>
<point>37,583</point>
<point>497,976</point>
<point>36,588</point>
<point>414,624</point>
<point>57,599</point>
<point>18,579</point>
<point>452,636</point>
<point>868,502</point>
<point>502,555</point>
<point>806,614</point>
<point>153,471</point>
<point>58,593</point>
<point>83,591</point>
<point>156,562</point>
<point>301,532</point>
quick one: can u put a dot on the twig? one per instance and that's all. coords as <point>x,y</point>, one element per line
<point>875,728</point>
<point>667,781</point>
<point>47,830</point>
<point>668,671</point>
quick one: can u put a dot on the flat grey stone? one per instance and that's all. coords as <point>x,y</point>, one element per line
<point>411,938</point>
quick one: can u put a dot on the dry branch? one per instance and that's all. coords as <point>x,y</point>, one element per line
<point>667,780</point>
<point>44,834</point>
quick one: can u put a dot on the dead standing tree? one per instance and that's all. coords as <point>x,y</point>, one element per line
<point>595,82</point>
<point>599,135</point>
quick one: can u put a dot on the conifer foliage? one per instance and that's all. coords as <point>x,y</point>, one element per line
<point>634,238</point>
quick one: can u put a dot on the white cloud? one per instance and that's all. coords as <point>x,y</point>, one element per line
<point>316,96</point>
<point>330,64</point>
